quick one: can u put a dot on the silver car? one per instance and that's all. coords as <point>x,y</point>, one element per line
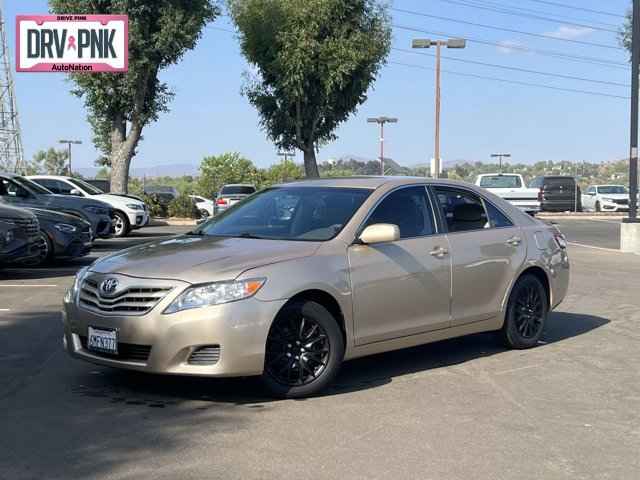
<point>301,277</point>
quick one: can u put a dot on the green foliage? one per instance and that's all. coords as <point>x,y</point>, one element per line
<point>316,60</point>
<point>216,171</point>
<point>183,207</point>
<point>51,162</point>
<point>280,173</point>
<point>624,36</point>
<point>156,209</point>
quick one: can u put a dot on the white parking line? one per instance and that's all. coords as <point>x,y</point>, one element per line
<point>26,285</point>
<point>4,310</point>
<point>594,248</point>
<point>617,222</point>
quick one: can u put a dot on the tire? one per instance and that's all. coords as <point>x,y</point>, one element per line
<point>123,227</point>
<point>46,254</point>
<point>598,207</point>
<point>306,321</point>
<point>526,314</point>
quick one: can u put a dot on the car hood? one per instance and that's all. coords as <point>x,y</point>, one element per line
<point>57,217</point>
<point>197,259</point>
<point>115,200</point>
<point>68,201</point>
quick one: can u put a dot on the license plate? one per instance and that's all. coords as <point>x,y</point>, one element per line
<point>102,340</point>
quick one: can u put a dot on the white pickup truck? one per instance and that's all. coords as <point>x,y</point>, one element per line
<point>511,187</point>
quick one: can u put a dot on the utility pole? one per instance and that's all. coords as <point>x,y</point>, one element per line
<point>427,43</point>
<point>11,151</point>
<point>635,84</point>
<point>69,143</point>
<point>381,121</point>
<point>500,156</point>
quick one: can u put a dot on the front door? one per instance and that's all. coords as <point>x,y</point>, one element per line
<point>401,288</point>
<point>487,250</point>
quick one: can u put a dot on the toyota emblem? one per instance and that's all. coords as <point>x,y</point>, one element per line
<point>109,286</point>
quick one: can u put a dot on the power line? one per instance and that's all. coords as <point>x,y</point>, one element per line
<point>573,7</point>
<point>510,30</point>
<point>518,69</point>
<point>514,82</point>
<point>523,48</point>
<point>528,15</point>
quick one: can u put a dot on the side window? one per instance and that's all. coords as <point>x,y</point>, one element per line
<point>536,183</point>
<point>48,184</point>
<point>61,187</point>
<point>462,210</point>
<point>591,190</point>
<point>409,209</point>
<point>496,217</point>
<point>12,189</point>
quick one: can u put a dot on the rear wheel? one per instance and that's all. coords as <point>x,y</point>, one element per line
<point>122,226</point>
<point>304,351</point>
<point>527,312</point>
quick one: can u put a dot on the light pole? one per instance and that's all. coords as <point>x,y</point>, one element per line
<point>500,156</point>
<point>381,121</point>
<point>428,43</point>
<point>635,84</point>
<point>285,160</point>
<point>69,143</point>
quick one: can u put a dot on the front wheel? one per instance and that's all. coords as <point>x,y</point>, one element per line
<point>526,315</point>
<point>122,226</point>
<point>46,251</point>
<point>304,351</point>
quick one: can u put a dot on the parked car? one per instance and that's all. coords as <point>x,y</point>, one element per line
<point>129,214</point>
<point>164,195</point>
<point>62,236</point>
<point>511,187</point>
<point>232,194</point>
<point>22,192</point>
<point>19,235</point>
<point>557,193</point>
<point>361,266</point>
<point>606,198</point>
<point>204,205</point>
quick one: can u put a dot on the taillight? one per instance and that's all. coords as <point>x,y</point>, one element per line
<point>221,201</point>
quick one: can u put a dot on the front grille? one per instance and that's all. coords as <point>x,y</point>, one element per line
<point>623,201</point>
<point>29,225</point>
<point>130,301</point>
<point>128,352</point>
<point>207,355</point>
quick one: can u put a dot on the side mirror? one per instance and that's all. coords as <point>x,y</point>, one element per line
<point>380,233</point>
<point>75,192</point>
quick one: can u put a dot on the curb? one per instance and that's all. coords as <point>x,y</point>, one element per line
<point>171,222</point>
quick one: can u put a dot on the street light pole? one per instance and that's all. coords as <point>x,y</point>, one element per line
<point>69,143</point>
<point>381,121</point>
<point>635,84</point>
<point>427,43</point>
<point>500,156</point>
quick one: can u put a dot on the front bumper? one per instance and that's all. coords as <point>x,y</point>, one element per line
<point>614,207</point>
<point>137,218</point>
<point>72,245</point>
<point>103,228</point>
<point>239,329</point>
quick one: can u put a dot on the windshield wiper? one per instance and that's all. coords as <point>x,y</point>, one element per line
<point>199,233</point>
<point>250,235</point>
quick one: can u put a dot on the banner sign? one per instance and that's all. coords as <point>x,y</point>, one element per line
<point>72,43</point>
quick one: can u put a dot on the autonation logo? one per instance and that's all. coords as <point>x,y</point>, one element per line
<point>72,43</point>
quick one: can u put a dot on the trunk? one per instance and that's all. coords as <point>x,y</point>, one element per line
<point>310,165</point>
<point>122,149</point>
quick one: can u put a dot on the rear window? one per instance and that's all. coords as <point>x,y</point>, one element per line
<point>237,190</point>
<point>501,181</point>
<point>556,181</point>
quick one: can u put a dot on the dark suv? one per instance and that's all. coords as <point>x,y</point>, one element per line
<point>558,193</point>
<point>19,235</point>
<point>22,192</point>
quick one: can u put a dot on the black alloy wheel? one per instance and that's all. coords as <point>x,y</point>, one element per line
<point>304,350</point>
<point>526,313</point>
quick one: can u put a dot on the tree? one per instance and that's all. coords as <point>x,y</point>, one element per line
<point>51,162</point>
<point>216,171</point>
<point>281,172</point>
<point>316,60</point>
<point>627,29</point>
<point>121,105</point>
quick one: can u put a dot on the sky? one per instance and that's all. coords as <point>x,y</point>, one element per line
<point>209,115</point>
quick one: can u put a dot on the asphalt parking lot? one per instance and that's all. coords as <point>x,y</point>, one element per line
<point>458,409</point>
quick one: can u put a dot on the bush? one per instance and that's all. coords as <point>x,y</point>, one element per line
<point>155,207</point>
<point>183,207</point>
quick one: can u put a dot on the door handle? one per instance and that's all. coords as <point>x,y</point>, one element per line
<point>439,252</point>
<point>514,241</point>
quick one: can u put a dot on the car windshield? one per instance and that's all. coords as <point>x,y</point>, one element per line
<point>31,186</point>
<point>289,213</point>
<point>87,187</point>
<point>501,181</point>
<point>237,190</point>
<point>613,189</point>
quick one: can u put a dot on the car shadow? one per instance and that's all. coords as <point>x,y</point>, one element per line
<point>370,372</point>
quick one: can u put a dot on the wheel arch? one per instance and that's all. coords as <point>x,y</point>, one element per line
<point>541,275</point>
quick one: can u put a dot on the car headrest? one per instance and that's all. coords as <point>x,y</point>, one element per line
<point>468,212</point>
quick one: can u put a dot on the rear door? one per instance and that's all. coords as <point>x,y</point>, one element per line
<point>487,250</point>
<point>559,190</point>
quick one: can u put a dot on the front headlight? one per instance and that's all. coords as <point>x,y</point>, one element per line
<point>135,206</point>
<point>609,200</point>
<point>215,294</point>
<point>65,228</point>
<point>72,293</point>
<point>96,210</point>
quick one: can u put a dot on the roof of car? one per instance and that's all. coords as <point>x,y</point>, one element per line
<point>371,182</point>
